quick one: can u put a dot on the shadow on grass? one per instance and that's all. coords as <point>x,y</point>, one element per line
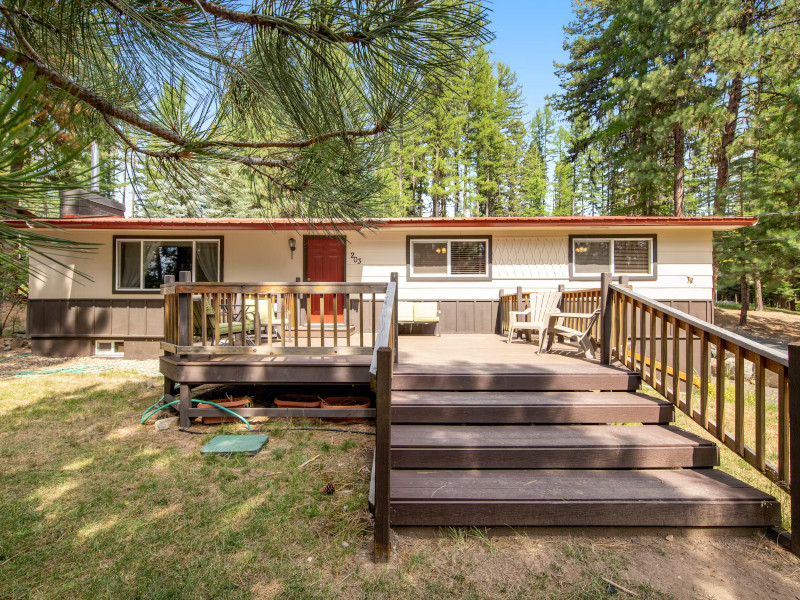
<point>93,504</point>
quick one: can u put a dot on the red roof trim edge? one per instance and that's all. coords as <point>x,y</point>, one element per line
<point>412,222</point>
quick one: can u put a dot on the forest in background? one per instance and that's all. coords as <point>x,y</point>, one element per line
<point>665,108</point>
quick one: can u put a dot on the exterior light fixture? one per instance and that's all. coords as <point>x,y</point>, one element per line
<point>292,246</point>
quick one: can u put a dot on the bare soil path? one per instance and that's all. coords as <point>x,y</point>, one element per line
<point>774,328</point>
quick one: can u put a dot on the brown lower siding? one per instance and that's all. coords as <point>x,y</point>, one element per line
<point>69,327</point>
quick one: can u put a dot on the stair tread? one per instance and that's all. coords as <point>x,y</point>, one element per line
<point>671,486</point>
<point>515,378</point>
<point>579,437</point>
<point>578,498</point>
<point>536,399</point>
<point>569,368</point>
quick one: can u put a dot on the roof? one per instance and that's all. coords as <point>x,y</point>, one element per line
<point>121,223</point>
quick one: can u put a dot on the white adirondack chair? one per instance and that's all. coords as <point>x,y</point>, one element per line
<point>583,336</point>
<point>541,306</point>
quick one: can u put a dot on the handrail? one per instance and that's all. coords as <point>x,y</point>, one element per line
<point>381,371</point>
<point>384,338</point>
<point>278,287</point>
<point>721,333</point>
<point>667,347</point>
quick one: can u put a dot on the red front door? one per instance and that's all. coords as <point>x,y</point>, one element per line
<point>325,262</point>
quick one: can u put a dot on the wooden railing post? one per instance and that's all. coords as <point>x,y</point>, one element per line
<point>606,314</point>
<point>499,324</point>
<point>794,443</point>
<point>184,337</point>
<point>383,443</point>
<point>395,328</point>
<point>169,308</point>
<point>184,311</point>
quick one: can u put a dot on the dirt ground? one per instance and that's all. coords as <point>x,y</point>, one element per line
<point>690,564</point>
<point>781,327</point>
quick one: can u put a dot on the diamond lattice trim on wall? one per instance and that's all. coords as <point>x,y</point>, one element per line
<point>530,258</point>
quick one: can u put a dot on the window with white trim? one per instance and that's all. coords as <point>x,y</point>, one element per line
<point>619,256</point>
<point>457,257</point>
<point>141,264</point>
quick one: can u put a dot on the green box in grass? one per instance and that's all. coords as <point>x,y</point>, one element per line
<point>235,444</point>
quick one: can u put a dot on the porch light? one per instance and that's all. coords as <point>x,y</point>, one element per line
<point>292,246</point>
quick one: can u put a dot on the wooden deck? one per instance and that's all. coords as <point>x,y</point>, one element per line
<point>448,362</point>
<point>488,433</point>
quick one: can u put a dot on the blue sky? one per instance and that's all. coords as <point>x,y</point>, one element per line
<point>529,35</point>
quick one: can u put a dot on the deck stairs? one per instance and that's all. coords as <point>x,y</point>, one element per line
<point>547,450</point>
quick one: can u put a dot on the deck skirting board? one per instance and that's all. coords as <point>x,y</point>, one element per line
<point>590,513</point>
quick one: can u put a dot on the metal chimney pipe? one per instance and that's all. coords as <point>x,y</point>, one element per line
<point>95,180</point>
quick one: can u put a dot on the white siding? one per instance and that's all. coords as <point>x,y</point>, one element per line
<point>534,260</point>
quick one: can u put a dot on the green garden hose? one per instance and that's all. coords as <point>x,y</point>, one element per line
<point>15,356</point>
<point>61,371</point>
<point>146,415</point>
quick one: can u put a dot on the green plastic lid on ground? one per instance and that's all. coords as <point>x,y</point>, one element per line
<point>235,444</point>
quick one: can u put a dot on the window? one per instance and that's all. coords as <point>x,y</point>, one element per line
<point>458,258</point>
<point>142,264</point>
<point>109,348</point>
<point>619,256</point>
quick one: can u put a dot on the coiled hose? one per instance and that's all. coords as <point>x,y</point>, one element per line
<point>154,408</point>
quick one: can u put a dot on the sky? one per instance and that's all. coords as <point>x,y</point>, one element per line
<point>529,37</point>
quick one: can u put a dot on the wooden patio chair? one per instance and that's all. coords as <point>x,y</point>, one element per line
<point>264,316</point>
<point>224,327</point>
<point>541,306</point>
<point>582,337</point>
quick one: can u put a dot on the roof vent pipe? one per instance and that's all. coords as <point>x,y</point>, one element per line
<point>95,181</point>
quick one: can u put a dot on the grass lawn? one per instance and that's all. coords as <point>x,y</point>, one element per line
<point>95,505</point>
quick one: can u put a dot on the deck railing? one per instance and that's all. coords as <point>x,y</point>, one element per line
<point>581,301</point>
<point>686,360</point>
<point>517,300</point>
<point>381,371</point>
<point>574,301</point>
<point>270,318</point>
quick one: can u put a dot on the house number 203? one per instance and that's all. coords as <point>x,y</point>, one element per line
<point>355,258</point>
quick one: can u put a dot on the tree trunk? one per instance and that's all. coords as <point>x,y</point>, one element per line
<point>745,288</point>
<point>400,170</point>
<point>729,130</point>
<point>679,135</point>
<point>759,294</point>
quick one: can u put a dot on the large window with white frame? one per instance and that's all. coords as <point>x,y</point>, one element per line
<point>632,256</point>
<point>142,264</point>
<point>467,258</point>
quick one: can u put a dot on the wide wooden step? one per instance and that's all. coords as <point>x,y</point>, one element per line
<point>574,376</point>
<point>528,407</point>
<point>549,447</point>
<point>646,498</point>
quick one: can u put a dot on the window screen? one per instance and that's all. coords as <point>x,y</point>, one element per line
<point>468,258</point>
<point>449,257</point>
<point>632,257</point>
<point>143,264</point>
<point>430,258</point>
<point>621,256</point>
<point>592,257</point>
